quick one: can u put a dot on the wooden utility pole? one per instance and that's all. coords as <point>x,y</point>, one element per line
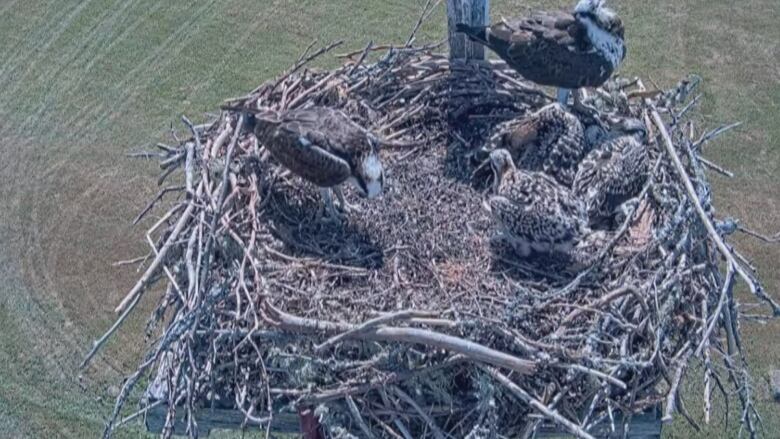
<point>473,13</point>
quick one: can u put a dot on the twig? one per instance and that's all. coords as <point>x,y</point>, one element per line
<point>716,168</point>
<point>537,405</point>
<point>595,373</point>
<point>437,433</point>
<point>158,261</point>
<point>353,409</point>
<point>362,58</point>
<point>469,349</point>
<point>755,288</point>
<point>671,399</point>
<point>305,59</point>
<point>427,10</point>
<point>707,137</point>
<point>156,199</point>
<point>389,318</point>
<point>760,236</point>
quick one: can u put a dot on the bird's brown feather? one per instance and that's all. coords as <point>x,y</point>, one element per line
<point>549,48</point>
<point>319,144</point>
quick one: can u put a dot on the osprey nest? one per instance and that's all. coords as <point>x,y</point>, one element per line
<point>406,319</point>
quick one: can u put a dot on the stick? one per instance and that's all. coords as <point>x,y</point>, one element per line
<point>469,349</point>
<point>755,288</point>
<point>401,315</point>
<point>103,339</point>
<point>671,398</point>
<point>715,167</point>
<point>713,134</point>
<point>768,239</point>
<point>305,59</point>
<point>361,59</point>
<point>353,410</point>
<point>596,373</point>
<point>437,433</point>
<point>156,199</point>
<point>426,12</point>
<point>158,261</point>
<point>728,284</point>
<point>537,405</point>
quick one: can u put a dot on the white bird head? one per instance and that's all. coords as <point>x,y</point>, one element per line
<point>601,15</point>
<point>369,175</point>
<point>588,6</point>
<point>500,162</point>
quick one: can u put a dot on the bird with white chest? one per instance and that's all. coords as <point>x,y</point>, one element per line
<point>325,147</point>
<point>567,50</point>
<point>534,212</point>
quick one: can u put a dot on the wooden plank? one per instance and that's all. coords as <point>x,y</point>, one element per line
<point>643,426</point>
<point>218,419</point>
<point>471,12</point>
<point>646,425</point>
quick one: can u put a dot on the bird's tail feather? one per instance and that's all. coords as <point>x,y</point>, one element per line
<point>261,113</point>
<point>475,33</point>
<point>254,115</point>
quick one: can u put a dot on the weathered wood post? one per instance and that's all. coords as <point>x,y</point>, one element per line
<point>471,12</point>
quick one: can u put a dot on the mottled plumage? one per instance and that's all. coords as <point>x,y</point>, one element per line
<point>567,50</point>
<point>550,140</point>
<point>588,248</point>
<point>532,210</point>
<point>614,172</point>
<point>325,147</point>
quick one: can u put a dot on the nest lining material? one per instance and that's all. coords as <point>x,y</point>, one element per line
<point>405,320</point>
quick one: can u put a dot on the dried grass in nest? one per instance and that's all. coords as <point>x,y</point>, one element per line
<point>404,321</point>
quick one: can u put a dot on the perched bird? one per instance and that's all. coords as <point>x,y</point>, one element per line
<point>549,140</point>
<point>325,147</point>
<point>532,210</point>
<point>615,172</point>
<point>567,50</point>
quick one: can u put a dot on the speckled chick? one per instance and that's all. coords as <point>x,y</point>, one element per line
<point>532,210</point>
<point>614,172</point>
<point>549,140</point>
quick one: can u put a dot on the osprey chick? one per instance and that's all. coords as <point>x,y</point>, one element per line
<point>614,172</point>
<point>550,140</point>
<point>532,210</point>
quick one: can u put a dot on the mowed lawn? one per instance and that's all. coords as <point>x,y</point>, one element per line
<point>84,82</point>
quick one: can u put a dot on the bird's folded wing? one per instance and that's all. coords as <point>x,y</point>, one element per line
<point>558,28</point>
<point>328,129</point>
<point>306,155</point>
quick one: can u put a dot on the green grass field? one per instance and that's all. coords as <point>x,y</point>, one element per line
<point>82,82</point>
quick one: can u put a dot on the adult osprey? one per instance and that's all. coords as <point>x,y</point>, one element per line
<point>615,172</point>
<point>560,49</point>
<point>533,211</point>
<point>325,147</point>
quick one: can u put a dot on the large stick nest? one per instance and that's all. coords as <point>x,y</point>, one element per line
<point>404,320</point>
